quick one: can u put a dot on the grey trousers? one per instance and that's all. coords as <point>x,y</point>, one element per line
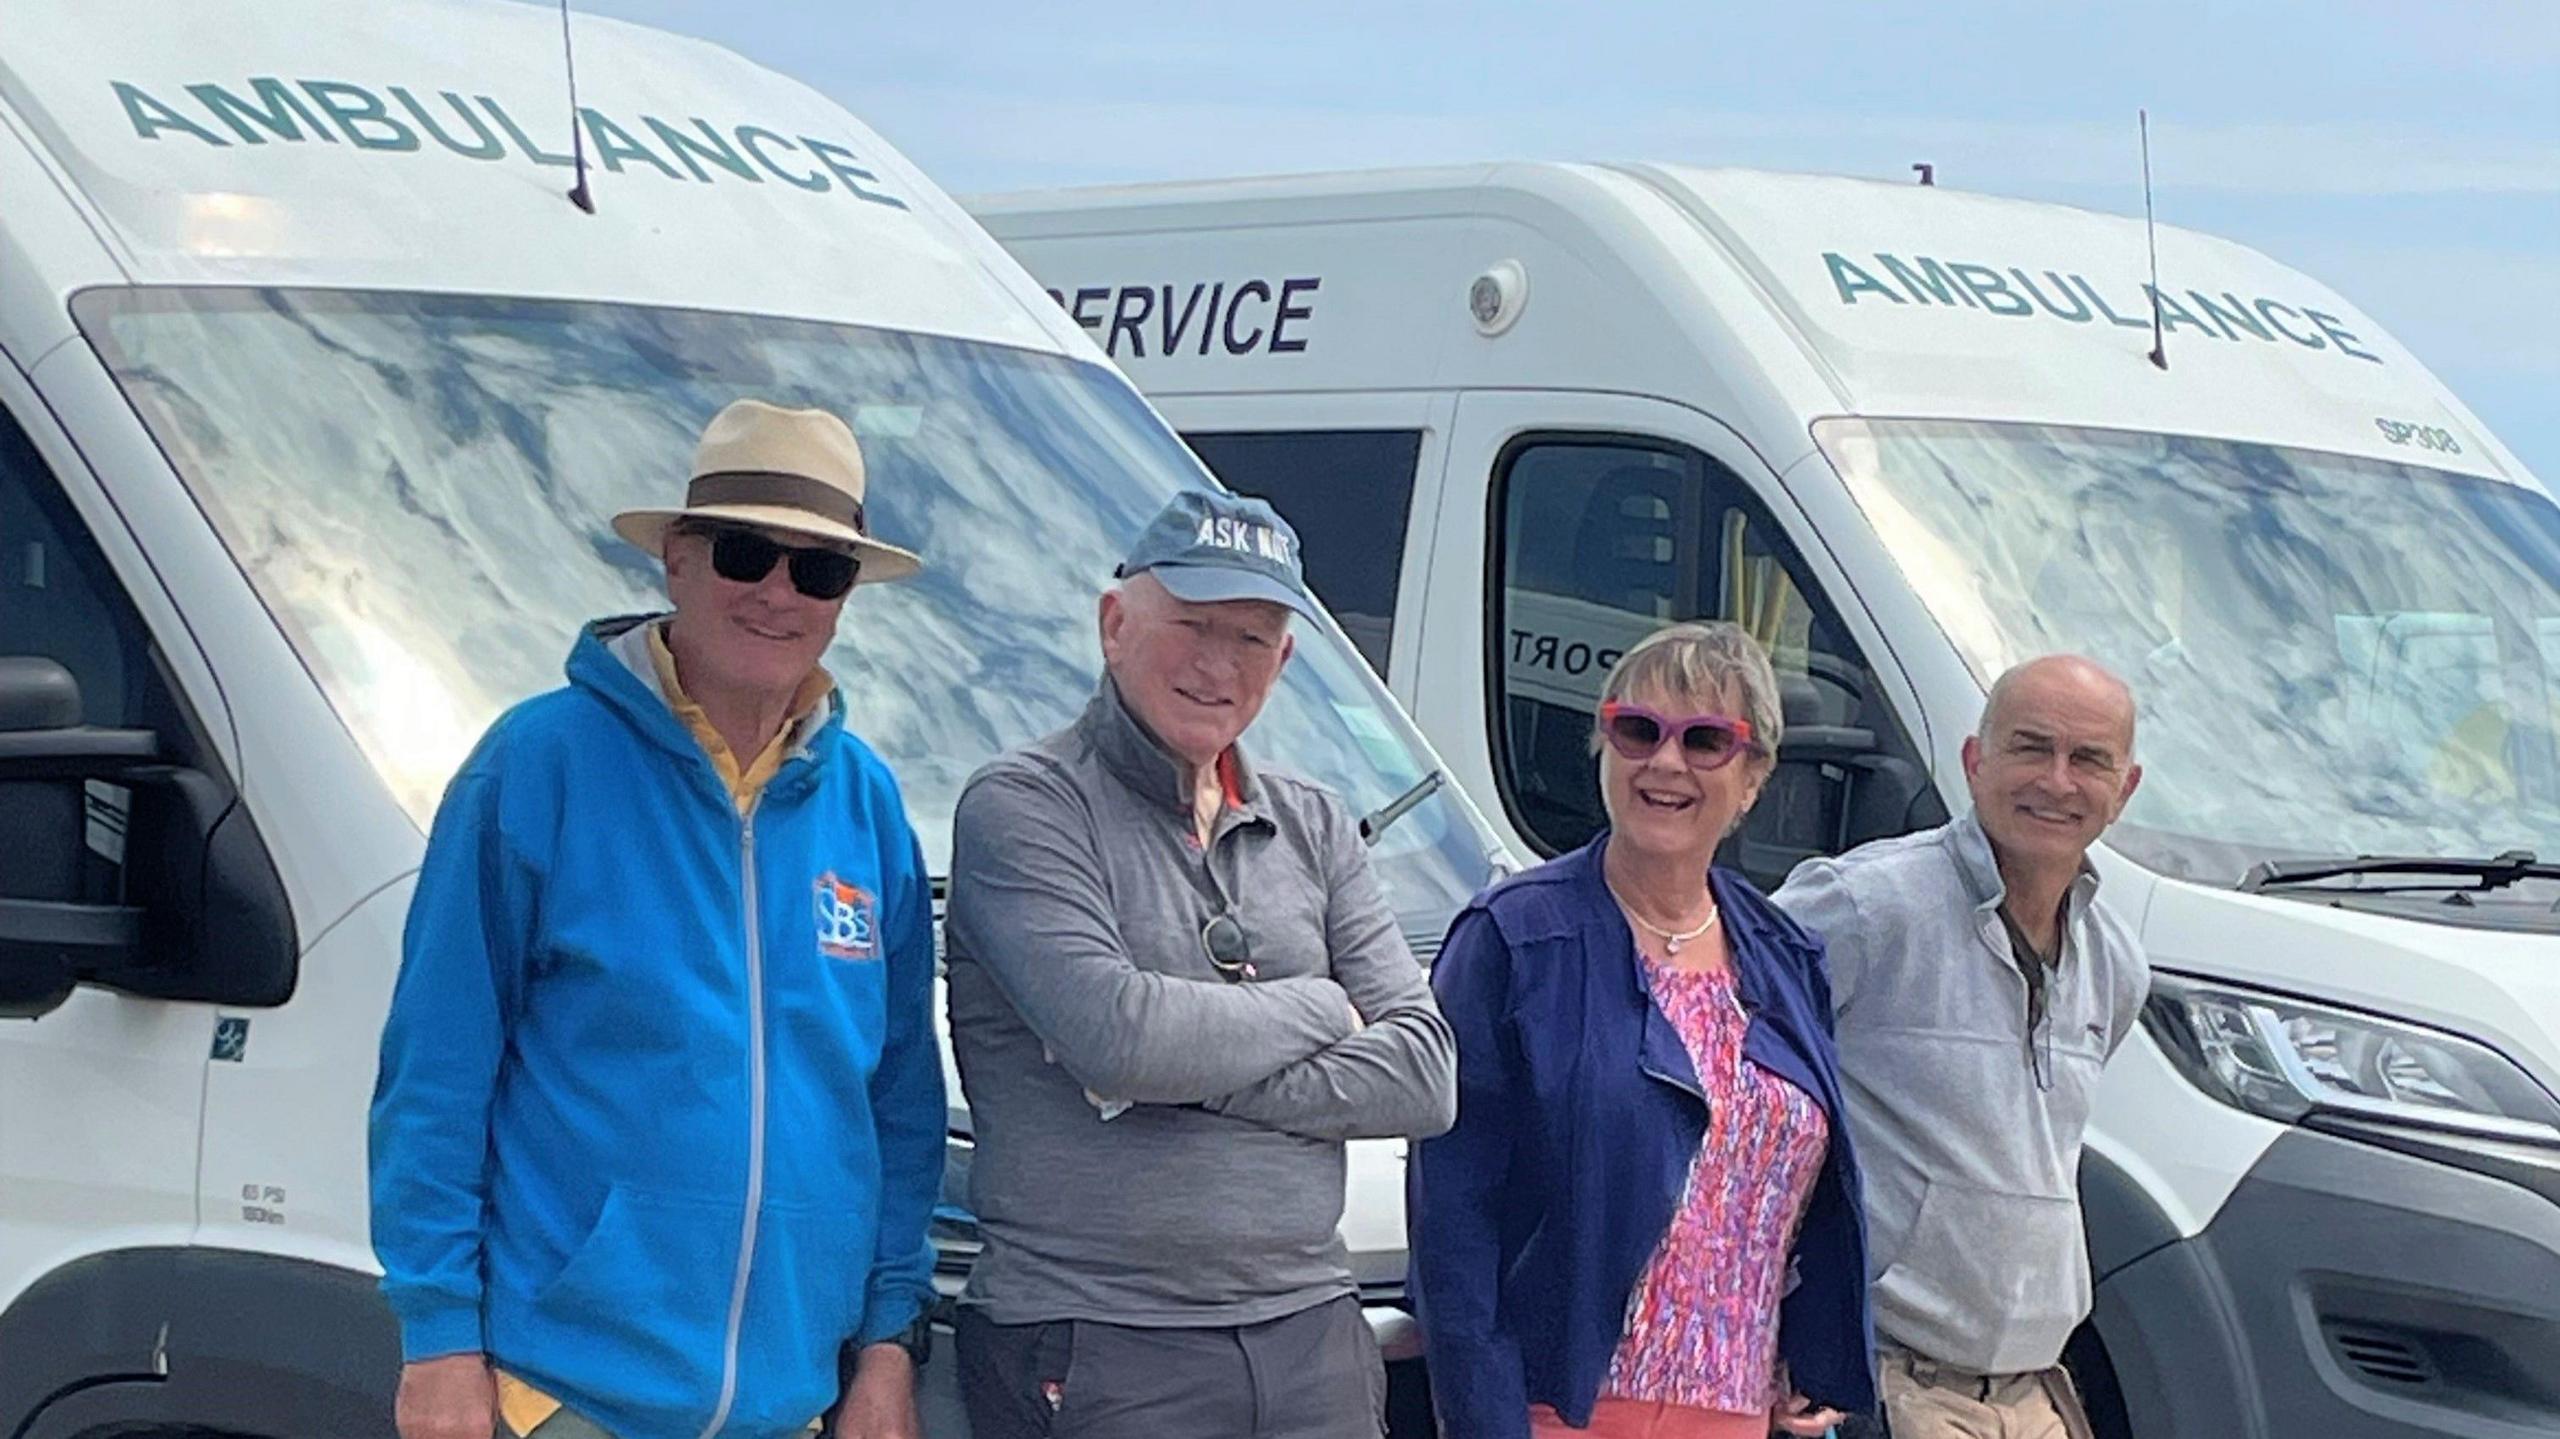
<point>1314,1374</point>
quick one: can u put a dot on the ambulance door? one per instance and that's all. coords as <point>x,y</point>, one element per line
<point>1589,521</point>
<point>101,1084</point>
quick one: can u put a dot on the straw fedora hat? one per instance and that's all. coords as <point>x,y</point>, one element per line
<point>799,471</point>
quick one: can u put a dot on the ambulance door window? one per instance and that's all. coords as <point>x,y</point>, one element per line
<point>59,602</point>
<point>1347,493</point>
<point>1600,541</point>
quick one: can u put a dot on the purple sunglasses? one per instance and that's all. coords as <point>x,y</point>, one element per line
<point>1707,742</point>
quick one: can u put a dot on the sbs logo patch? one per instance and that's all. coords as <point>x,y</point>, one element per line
<point>848,920</point>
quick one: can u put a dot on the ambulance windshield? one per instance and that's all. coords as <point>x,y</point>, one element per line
<point>418,487</point>
<point>2331,655</point>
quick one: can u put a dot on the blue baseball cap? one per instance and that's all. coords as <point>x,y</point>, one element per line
<point>1208,547</point>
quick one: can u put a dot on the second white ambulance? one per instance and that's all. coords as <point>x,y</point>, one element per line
<point>1524,413</point>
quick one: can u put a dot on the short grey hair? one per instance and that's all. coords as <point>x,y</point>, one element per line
<point>1701,659</point>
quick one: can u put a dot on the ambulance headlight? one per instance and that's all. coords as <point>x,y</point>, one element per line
<point>2287,1059</point>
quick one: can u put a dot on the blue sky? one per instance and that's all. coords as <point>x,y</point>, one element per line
<point>2406,152</point>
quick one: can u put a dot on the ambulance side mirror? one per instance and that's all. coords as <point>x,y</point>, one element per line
<point>91,818</point>
<point>46,934</point>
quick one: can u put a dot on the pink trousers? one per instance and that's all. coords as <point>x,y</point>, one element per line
<point>1641,1419</point>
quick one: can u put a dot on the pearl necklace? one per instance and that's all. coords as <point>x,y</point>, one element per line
<point>1671,939</point>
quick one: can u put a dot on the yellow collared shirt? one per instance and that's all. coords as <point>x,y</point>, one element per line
<point>744,785</point>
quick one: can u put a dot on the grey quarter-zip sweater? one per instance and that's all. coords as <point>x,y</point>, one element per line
<point>1080,988</point>
<point>1968,1126</point>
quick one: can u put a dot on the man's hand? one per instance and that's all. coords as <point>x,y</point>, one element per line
<point>881,1402</point>
<point>1798,1415</point>
<point>452,1396</point>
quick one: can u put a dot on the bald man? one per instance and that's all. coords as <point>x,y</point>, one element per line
<point>1978,987</point>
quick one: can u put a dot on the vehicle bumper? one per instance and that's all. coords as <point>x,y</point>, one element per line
<point>2348,1289</point>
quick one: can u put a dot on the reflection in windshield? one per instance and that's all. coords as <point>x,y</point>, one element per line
<point>418,487</point>
<point>2332,655</point>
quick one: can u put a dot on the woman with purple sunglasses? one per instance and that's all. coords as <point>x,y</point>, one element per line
<point>1647,1221</point>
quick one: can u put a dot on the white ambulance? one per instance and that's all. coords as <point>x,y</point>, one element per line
<point>316,391</point>
<point>1522,414</point>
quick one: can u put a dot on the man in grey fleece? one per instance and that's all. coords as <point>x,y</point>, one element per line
<point>1176,989</point>
<point>1979,987</point>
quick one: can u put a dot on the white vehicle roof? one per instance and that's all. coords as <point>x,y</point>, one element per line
<point>410,145</point>
<point>1821,294</point>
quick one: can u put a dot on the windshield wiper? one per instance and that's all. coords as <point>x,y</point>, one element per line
<point>2484,874</point>
<point>1376,821</point>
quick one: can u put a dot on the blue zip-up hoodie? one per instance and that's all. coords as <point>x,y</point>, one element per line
<point>1579,1115</point>
<point>660,1119</point>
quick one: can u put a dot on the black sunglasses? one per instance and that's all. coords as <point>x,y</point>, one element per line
<point>1222,940</point>
<point>747,556</point>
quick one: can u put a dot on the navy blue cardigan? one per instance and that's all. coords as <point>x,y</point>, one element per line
<point>1579,1114</point>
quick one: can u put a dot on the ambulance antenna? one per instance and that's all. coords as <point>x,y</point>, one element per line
<point>579,195</point>
<point>2151,235</point>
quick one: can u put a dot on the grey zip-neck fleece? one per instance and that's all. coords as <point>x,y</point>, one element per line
<point>1968,1127</point>
<point>1079,890</point>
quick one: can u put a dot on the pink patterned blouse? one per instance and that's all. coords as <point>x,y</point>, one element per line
<point>1702,1325</point>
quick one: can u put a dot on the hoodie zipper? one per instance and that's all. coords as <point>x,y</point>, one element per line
<point>755,1125</point>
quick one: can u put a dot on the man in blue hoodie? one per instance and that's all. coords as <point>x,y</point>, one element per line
<point>660,1119</point>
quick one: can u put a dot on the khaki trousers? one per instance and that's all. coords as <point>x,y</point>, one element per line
<point>1926,1400</point>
